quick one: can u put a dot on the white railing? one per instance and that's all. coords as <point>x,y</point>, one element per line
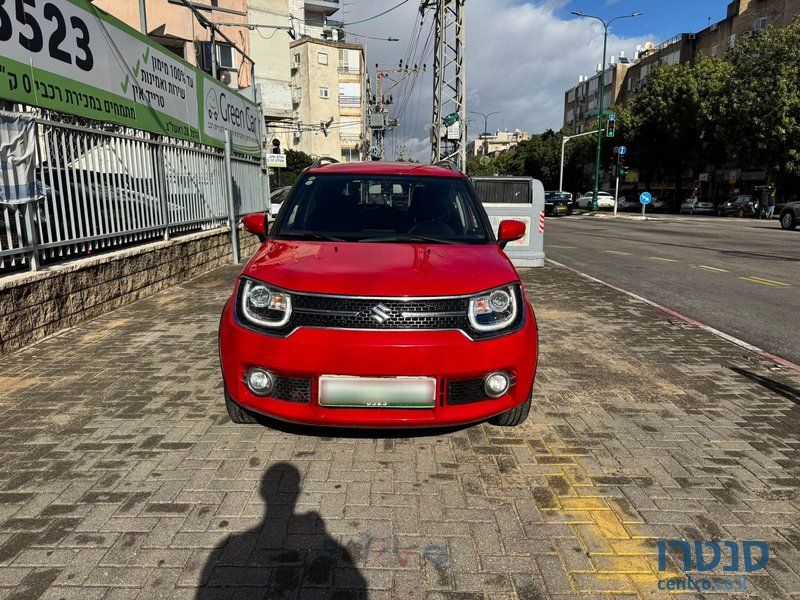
<point>107,189</point>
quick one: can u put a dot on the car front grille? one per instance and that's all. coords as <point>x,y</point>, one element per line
<point>357,313</point>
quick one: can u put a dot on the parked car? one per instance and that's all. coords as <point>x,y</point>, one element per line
<point>742,205</point>
<point>790,215</point>
<point>658,204</point>
<point>628,203</point>
<point>557,203</point>
<point>604,200</point>
<point>276,198</point>
<point>699,205</point>
<point>359,313</point>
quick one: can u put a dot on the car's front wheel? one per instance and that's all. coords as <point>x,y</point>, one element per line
<point>515,416</point>
<point>237,413</point>
<point>788,220</point>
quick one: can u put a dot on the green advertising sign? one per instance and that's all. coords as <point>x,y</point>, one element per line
<point>69,56</point>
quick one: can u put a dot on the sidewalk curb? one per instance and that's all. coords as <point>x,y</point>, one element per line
<point>728,338</point>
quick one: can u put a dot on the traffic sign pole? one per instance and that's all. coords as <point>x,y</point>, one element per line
<point>645,198</point>
<point>616,188</point>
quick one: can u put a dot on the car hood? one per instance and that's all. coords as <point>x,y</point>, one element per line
<point>375,269</point>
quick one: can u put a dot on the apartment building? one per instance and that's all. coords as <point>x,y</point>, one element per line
<point>624,78</point>
<point>328,97</point>
<point>175,27</point>
<point>497,142</point>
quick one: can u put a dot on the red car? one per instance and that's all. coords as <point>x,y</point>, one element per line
<point>380,298</point>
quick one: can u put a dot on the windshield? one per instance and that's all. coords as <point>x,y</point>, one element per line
<point>376,208</point>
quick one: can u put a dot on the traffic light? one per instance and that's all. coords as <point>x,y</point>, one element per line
<point>610,126</point>
<point>621,168</point>
<point>276,146</point>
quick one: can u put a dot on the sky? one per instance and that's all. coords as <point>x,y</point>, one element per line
<point>521,55</point>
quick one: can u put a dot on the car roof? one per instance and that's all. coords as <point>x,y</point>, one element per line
<point>379,167</point>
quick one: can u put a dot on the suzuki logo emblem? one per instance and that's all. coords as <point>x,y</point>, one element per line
<point>380,313</point>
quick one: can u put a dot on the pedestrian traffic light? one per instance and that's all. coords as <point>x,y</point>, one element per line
<point>610,126</point>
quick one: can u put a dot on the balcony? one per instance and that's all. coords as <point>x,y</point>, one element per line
<point>328,7</point>
<point>350,101</point>
<point>349,70</point>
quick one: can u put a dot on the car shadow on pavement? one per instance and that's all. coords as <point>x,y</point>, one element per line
<point>288,555</point>
<point>777,387</point>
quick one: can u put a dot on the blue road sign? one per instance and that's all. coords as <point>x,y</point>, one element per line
<point>645,198</point>
<point>622,150</point>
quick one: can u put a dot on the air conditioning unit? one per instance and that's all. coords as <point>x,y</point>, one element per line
<point>749,33</point>
<point>714,27</point>
<point>229,77</point>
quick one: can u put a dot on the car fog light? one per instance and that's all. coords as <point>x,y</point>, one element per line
<point>259,381</point>
<point>496,384</point>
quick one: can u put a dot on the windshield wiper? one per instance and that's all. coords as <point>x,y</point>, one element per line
<point>310,235</point>
<point>409,238</point>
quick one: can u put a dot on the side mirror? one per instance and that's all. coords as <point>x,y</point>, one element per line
<point>256,223</point>
<point>509,231</point>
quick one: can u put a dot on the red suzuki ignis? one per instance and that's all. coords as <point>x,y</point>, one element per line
<point>379,298</point>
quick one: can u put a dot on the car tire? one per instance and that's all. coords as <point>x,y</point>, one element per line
<point>237,413</point>
<point>740,213</point>
<point>788,221</point>
<point>515,416</point>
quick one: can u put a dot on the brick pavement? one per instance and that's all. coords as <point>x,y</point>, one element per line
<point>121,476</point>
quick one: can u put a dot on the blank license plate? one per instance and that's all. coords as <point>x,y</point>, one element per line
<point>377,392</point>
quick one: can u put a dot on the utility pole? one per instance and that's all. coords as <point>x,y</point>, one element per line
<point>378,116</point>
<point>449,82</point>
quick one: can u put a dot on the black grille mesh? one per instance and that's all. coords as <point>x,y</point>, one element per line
<point>355,313</point>
<point>292,389</point>
<point>466,391</point>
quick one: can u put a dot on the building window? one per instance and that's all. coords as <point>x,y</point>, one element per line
<point>714,50</point>
<point>324,93</point>
<point>732,40</point>
<point>759,23</point>
<point>297,58</point>
<point>630,83</point>
<point>322,58</point>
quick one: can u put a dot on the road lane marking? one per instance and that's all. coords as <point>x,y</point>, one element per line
<point>564,247</point>
<point>733,340</point>
<point>616,252</point>
<point>707,268</point>
<point>763,281</point>
<point>659,258</point>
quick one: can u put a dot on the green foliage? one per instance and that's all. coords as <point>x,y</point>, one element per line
<point>296,161</point>
<point>763,93</point>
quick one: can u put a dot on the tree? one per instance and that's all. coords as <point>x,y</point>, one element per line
<point>296,161</point>
<point>762,122</point>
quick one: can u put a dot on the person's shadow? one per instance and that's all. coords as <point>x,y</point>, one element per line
<point>287,556</point>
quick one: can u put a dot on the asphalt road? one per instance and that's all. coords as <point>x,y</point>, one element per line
<point>741,276</point>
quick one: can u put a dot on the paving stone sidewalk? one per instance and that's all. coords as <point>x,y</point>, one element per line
<point>122,477</point>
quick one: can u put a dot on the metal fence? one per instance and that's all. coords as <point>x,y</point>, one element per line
<point>105,189</point>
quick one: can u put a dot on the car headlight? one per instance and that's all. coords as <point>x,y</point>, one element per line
<point>493,310</point>
<point>264,305</point>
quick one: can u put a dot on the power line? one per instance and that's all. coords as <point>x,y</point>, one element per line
<point>378,15</point>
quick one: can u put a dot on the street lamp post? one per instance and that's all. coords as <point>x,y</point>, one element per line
<point>485,124</point>
<point>564,141</point>
<point>602,87</point>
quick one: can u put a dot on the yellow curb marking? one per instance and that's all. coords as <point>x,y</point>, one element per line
<point>763,281</point>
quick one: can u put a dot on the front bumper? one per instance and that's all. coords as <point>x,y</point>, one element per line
<point>448,356</point>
